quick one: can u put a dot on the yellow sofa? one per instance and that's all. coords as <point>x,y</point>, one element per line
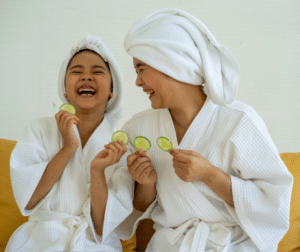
<point>11,218</point>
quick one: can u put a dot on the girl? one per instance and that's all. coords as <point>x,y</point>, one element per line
<point>61,168</point>
<point>223,187</point>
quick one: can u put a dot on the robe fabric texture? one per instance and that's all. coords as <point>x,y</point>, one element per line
<point>191,217</point>
<point>62,220</point>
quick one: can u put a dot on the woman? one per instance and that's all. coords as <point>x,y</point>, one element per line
<point>224,186</point>
<point>61,168</point>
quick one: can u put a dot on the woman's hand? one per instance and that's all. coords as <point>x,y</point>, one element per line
<point>65,122</point>
<point>190,166</point>
<point>109,156</point>
<point>140,168</point>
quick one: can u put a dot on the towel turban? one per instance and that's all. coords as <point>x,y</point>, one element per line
<point>179,45</point>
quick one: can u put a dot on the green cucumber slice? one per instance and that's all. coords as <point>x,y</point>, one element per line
<point>68,107</point>
<point>120,135</point>
<point>141,142</point>
<point>164,143</point>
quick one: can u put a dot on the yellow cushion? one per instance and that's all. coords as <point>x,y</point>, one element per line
<point>10,216</point>
<point>129,245</point>
<point>291,241</point>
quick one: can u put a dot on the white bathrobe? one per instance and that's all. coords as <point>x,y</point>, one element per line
<point>62,221</point>
<point>189,216</point>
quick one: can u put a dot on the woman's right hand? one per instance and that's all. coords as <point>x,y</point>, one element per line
<point>65,122</point>
<point>140,168</point>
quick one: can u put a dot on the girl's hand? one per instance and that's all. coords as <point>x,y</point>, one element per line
<point>65,122</point>
<point>190,166</point>
<point>109,156</point>
<point>140,168</point>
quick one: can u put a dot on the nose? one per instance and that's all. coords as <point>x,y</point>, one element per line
<point>86,77</point>
<point>139,81</point>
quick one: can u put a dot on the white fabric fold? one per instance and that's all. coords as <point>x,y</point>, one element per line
<point>197,233</point>
<point>76,224</point>
<point>181,46</point>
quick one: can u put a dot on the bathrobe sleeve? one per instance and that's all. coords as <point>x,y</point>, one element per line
<point>28,162</point>
<point>261,185</point>
<point>119,202</point>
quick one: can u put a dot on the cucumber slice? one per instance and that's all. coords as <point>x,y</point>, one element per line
<point>164,143</point>
<point>141,142</point>
<point>120,135</point>
<point>68,107</point>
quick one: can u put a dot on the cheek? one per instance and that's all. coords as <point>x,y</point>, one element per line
<point>104,83</point>
<point>70,82</point>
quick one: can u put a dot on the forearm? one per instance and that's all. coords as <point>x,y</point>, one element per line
<point>51,174</point>
<point>99,194</point>
<point>144,195</point>
<point>220,183</point>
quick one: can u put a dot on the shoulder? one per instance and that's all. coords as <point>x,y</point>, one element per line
<point>43,123</point>
<point>143,117</point>
<point>248,126</point>
<point>240,113</point>
<point>40,128</point>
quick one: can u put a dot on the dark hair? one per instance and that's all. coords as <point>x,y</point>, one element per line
<point>106,63</point>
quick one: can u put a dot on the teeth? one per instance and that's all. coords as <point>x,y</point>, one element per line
<point>150,92</point>
<point>88,89</point>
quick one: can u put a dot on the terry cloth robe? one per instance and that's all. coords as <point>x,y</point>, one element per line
<point>189,216</point>
<point>62,221</point>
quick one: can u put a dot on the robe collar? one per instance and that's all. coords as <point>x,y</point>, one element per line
<point>100,137</point>
<point>196,130</point>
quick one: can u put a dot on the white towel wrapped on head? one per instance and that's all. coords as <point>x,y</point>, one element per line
<point>179,45</point>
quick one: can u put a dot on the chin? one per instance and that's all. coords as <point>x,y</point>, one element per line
<point>156,106</point>
<point>86,106</point>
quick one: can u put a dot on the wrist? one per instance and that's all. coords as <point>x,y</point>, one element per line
<point>94,170</point>
<point>68,150</point>
<point>209,174</point>
<point>149,186</point>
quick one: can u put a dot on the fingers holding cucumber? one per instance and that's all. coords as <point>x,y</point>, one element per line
<point>120,135</point>
<point>65,121</point>
<point>68,107</point>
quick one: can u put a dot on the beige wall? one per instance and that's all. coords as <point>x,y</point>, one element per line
<point>263,36</point>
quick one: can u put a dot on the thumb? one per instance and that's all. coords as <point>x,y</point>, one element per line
<point>172,151</point>
<point>102,154</point>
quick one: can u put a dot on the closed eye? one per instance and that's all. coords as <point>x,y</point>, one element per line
<point>139,70</point>
<point>76,72</point>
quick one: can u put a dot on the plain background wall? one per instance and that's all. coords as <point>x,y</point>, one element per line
<point>262,35</point>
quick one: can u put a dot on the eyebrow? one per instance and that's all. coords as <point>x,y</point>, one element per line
<point>139,64</point>
<point>81,66</point>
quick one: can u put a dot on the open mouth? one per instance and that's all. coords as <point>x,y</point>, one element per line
<point>150,93</point>
<point>86,92</point>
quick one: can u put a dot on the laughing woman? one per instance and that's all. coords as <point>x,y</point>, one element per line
<point>223,187</point>
<point>62,167</point>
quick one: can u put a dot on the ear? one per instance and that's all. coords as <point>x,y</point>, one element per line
<point>111,95</point>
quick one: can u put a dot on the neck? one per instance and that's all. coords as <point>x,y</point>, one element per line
<point>88,122</point>
<point>187,107</point>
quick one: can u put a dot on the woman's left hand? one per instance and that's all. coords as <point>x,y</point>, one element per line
<point>190,166</point>
<point>109,156</point>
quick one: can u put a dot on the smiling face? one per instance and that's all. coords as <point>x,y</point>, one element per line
<point>160,87</point>
<point>88,82</point>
